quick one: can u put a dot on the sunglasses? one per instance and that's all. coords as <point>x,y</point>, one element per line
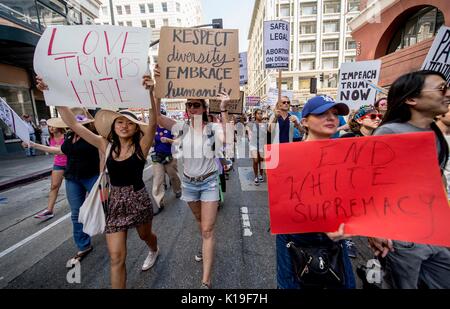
<point>285,102</point>
<point>372,116</point>
<point>443,89</point>
<point>194,104</point>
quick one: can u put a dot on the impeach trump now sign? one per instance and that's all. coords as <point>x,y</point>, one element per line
<point>380,186</point>
<point>94,66</point>
<point>198,63</point>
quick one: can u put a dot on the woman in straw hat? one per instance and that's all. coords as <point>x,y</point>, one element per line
<point>200,180</point>
<point>129,203</point>
<point>57,130</point>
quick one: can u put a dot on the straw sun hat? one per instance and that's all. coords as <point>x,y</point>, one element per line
<point>81,114</point>
<point>104,119</point>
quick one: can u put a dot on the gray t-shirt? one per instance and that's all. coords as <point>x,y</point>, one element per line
<point>403,127</point>
<point>196,151</point>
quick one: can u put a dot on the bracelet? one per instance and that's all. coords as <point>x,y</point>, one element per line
<point>224,111</point>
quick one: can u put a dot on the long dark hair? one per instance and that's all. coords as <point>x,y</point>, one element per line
<point>407,87</point>
<point>136,138</point>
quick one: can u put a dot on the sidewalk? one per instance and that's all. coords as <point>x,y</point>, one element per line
<point>22,169</point>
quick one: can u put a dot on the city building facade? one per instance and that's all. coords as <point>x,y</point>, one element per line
<point>21,24</point>
<point>399,32</point>
<point>320,41</point>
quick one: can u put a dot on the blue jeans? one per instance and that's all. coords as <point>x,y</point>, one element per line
<point>76,191</point>
<point>286,278</point>
<point>30,151</point>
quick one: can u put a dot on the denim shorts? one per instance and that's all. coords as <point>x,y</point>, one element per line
<point>205,191</point>
<point>59,168</point>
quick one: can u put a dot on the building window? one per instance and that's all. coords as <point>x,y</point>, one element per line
<point>308,9</point>
<point>128,9</point>
<point>151,8</point>
<point>142,8</point>
<point>152,23</point>
<point>330,45</point>
<point>304,83</point>
<point>308,28</point>
<point>351,44</point>
<point>331,26</point>
<point>144,23</point>
<point>104,10</point>
<point>106,23</point>
<point>284,10</point>
<point>178,21</point>
<point>308,47</point>
<point>350,59</point>
<point>129,24</point>
<point>353,6</point>
<point>330,81</point>
<point>178,6</point>
<point>330,63</point>
<point>165,22</point>
<point>331,7</point>
<point>120,23</point>
<point>119,9</point>
<point>419,27</point>
<point>164,6</point>
<point>307,65</point>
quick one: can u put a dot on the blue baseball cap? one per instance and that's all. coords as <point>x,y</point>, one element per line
<point>320,104</point>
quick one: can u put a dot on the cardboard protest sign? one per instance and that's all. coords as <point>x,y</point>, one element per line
<point>276,44</point>
<point>234,106</point>
<point>272,96</point>
<point>243,75</point>
<point>354,78</point>
<point>94,66</point>
<point>380,186</point>
<point>198,63</point>
<point>14,122</point>
<point>252,101</point>
<point>438,58</point>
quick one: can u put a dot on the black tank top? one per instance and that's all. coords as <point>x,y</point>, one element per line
<point>128,172</point>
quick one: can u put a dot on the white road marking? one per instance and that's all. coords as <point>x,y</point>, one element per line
<point>246,221</point>
<point>33,236</point>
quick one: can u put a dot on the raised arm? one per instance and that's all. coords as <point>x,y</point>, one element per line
<point>70,120</point>
<point>149,133</point>
<point>165,122</point>
<point>49,149</point>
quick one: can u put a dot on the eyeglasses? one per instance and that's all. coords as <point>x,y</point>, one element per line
<point>443,89</point>
<point>194,105</point>
<point>372,116</point>
<point>285,102</point>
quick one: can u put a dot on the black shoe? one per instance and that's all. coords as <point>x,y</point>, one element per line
<point>351,248</point>
<point>178,194</point>
<point>159,210</point>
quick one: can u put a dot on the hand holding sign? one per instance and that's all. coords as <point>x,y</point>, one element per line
<point>40,84</point>
<point>224,100</point>
<point>381,246</point>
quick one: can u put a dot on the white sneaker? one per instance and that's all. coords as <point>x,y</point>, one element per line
<point>261,178</point>
<point>150,260</point>
<point>256,181</point>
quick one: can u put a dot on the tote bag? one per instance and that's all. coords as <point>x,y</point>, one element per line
<point>92,212</point>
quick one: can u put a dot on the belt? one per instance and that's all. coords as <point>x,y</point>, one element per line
<point>199,178</point>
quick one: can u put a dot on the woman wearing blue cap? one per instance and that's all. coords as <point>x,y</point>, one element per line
<point>320,120</point>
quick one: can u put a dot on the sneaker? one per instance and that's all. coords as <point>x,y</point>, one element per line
<point>151,259</point>
<point>205,286</point>
<point>256,181</point>
<point>261,178</point>
<point>160,208</point>
<point>178,194</point>
<point>351,248</point>
<point>44,215</point>
<point>199,256</point>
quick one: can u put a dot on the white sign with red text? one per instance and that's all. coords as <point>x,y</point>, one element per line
<point>94,66</point>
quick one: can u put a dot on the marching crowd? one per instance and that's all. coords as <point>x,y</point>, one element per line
<point>84,146</point>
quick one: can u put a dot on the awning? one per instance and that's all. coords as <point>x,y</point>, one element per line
<point>17,46</point>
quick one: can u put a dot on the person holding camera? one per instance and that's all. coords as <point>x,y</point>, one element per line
<point>164,162</point>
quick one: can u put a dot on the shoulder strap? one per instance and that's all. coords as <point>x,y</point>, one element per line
<point>107,153</point>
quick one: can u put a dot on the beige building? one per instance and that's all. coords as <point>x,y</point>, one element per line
<point>320,41</point>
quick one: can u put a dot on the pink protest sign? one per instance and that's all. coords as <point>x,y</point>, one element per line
<point>94,66</point>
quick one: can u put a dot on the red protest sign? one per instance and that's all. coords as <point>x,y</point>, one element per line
<point>380,186</point>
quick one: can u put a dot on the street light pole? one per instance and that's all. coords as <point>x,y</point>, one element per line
<point>111,9</point>
<point>216,24</point>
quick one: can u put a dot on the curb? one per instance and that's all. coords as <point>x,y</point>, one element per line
<point>24,179</point>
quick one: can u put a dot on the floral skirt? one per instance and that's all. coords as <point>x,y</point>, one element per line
<point>128,209</point>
